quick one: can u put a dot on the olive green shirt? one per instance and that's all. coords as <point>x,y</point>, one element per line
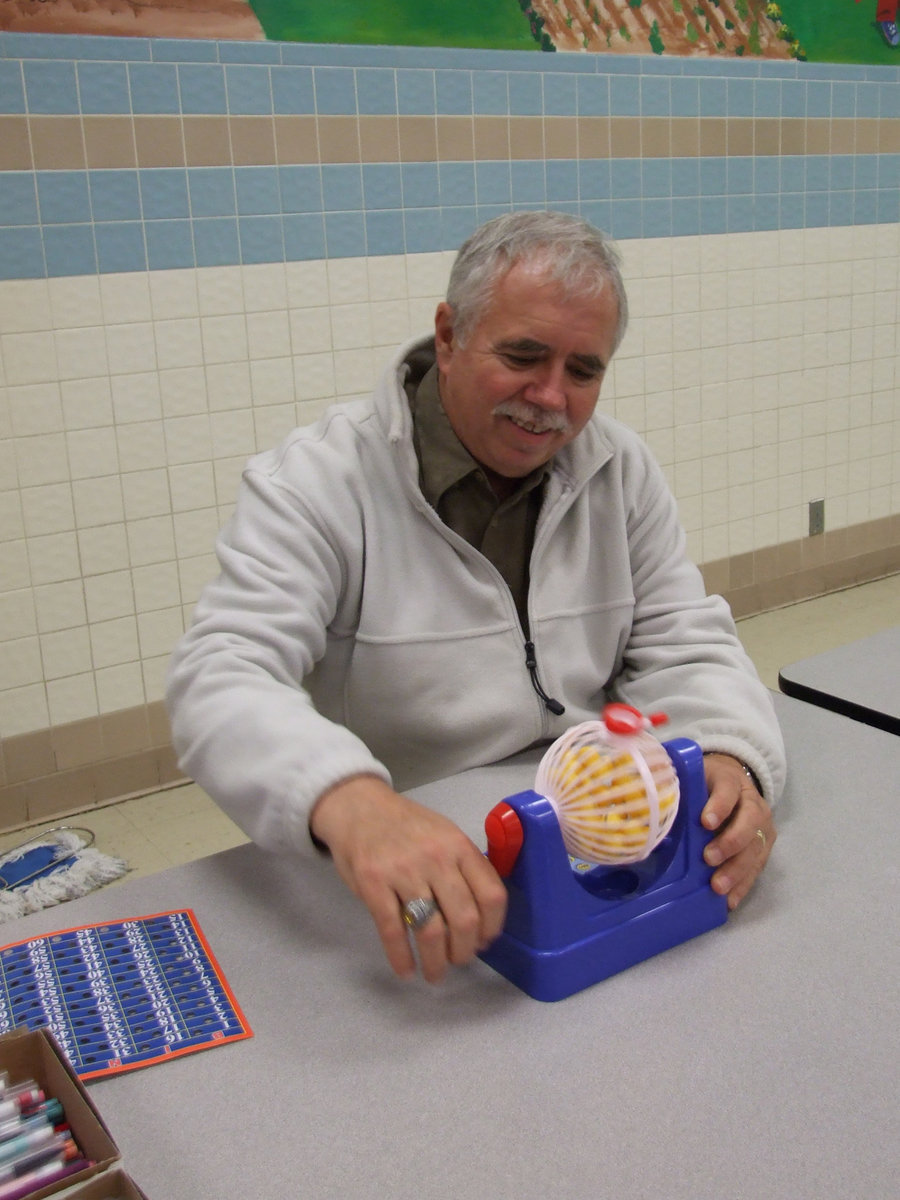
<point>457,488</point>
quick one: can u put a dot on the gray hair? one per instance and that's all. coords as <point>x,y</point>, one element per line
<point>571,251</point>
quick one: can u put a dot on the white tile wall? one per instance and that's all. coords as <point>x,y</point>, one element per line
<point>762,369</point>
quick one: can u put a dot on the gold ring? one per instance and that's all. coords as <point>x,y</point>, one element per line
<point>762,837</point>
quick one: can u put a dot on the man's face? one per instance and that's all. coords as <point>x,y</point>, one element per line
<point>527,379</point>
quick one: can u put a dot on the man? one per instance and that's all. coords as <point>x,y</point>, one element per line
<point>469,563</point>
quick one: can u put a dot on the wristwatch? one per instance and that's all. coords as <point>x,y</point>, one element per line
<point>750,774</point>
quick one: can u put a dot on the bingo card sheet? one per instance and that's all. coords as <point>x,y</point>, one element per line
<point>121,994</point>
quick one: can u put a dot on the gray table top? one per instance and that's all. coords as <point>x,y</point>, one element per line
<point>860,679</point>
<point>759,1060</point>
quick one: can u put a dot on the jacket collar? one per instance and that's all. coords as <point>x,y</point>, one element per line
<point>575,463</point>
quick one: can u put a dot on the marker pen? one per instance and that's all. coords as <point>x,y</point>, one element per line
<point>15,1099</point>
<point>48,1113</point>
<point>60,1153</point>
<point>34,1138</point>
<point>40,1177</point>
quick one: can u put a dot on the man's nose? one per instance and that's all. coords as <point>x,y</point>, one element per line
<point>547,387</point>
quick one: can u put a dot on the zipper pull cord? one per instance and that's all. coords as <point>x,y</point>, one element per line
<point>553,706</point>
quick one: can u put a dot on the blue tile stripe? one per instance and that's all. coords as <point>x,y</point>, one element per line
<point>32,46</point>
<point>77,222</point>
<point>73,222</point>
<point>245,77</point>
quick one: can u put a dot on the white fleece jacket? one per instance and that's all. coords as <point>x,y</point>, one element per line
<point>350,631</point>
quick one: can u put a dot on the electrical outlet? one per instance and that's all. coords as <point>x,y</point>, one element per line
<point>816,517</point>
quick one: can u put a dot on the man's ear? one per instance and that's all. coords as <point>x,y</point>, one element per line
<point>444,340</point>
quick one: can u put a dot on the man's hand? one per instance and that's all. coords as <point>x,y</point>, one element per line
<point>390,850</point>
<point>748,832</point>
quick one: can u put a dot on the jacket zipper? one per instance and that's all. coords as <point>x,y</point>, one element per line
<point>551,705</point>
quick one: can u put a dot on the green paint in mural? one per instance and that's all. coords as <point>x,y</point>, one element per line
<point>838,31</point>
<point>500,25</point>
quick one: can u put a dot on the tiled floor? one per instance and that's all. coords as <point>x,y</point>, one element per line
<point>180,824</point>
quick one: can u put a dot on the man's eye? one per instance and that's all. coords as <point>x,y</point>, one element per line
<point>520,360</point>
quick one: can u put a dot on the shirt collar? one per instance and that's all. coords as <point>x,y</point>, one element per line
<point>443,459</point>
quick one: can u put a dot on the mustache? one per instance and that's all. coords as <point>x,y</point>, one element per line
<point>532,414</point>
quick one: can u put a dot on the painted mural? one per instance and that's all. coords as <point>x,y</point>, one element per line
<point>815,30</point>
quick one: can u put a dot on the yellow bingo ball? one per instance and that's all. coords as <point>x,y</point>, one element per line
<point>613,786</point>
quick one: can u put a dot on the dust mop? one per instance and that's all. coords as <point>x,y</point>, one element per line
<point>56,865</point>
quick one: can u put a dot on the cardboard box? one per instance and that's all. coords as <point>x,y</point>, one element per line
<point>35,1054</point>
<point>113,1184</point>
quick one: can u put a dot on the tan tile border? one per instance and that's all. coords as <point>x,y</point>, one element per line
<point>207,141</point>
<point>77,142</point>
<point>109,142</point>
<point>793,136</point>
<point>28,756</point>
<point>657,137</point>
<point>526,138</point>
<point>740,137</point>
<point>808,567</point>
<point>455,140</point>
<point>128,732</point>
<point>339,139</point>
<point>560,137</point>
<point>594,137</point>
<point>767,136</point>
<point>491,139</point>
<point>13,807</point>
<point>379,138</point>
<point>77,744</point>
<point>55,772</point>
<point>713,137</point>
<point>625,137</point>
<point>297,141</point>
<point>418,139</point>
<point>252,142</point>
<point>15,145</point>
<point>159,142</point>
<point>57,143</point>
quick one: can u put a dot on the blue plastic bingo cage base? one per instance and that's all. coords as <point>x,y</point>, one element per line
<point>570,925</point>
